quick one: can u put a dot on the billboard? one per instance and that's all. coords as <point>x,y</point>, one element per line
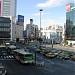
<point>51,27</point>
<point>20,18</point>
<point>0,8</point>
<point>68,7</point>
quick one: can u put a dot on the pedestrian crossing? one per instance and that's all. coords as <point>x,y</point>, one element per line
<point>6,57</point>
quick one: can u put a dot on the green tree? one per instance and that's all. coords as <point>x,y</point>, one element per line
<point>65,41</point>
<point>40,40</point>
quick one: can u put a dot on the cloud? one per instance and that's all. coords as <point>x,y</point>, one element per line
<point>51,3</point>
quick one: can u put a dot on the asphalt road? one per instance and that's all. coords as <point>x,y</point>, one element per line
<point>51,67</point>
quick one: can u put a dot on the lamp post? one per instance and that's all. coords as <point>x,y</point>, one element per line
<point>40,21</point>
<point>40,36</point>
<point>36,62</point>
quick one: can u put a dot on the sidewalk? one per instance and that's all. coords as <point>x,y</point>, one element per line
<point>60,47</point>
<point>66,47</point>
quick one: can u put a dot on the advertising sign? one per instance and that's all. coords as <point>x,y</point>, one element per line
<point>51,27</point>
<point>68,7</point>
<point>20,18</point>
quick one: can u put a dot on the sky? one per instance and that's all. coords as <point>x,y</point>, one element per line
<point>54,11</point>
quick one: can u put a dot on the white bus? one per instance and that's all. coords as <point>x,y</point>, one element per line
<point>23,56</point>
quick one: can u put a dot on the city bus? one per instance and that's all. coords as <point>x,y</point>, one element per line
<point>23,56</point>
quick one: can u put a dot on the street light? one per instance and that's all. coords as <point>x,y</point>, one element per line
<point>40,21</point>
<point>40,35</point>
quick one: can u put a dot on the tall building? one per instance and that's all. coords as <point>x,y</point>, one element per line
<point>19,28</point>
<point>32,30</point>
<point>8,9</point>
<point>70,22</point>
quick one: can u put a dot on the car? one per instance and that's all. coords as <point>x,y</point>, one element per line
<point>45,51</point>
<point>56,53</point>
<point>50,55</point>
<point>38,50</point>
<point>73,57</point>
<point>63,55</point>
<point>43,47</point>
<point>2,70</point>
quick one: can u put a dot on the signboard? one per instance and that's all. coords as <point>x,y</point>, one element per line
<point>20,18</point>
<point>53,35</point>
<point>51,27</point>
<point>68,7</point>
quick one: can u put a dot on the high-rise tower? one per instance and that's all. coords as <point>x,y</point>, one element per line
<point>70,22</point>
<point>8,7</point>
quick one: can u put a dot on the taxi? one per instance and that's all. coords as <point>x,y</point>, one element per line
<point>50,55</point>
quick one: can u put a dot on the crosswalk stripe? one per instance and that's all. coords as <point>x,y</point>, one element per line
<point>7,59</point>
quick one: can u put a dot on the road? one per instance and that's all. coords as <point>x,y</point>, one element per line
<point>51,67</point>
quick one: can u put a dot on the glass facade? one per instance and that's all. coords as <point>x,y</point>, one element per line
<point>4,29</point>
<point>70,22</point>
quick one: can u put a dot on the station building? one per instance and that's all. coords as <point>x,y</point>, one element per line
<point>54,32</point>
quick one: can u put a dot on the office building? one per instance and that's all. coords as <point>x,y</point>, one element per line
<point>19,28</point>
<point>8,9</point>
<point>5,24</point>
<point>32,30</point>
<point>70,23</point>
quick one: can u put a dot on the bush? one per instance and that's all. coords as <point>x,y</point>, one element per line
<point>65,42</point>
<point>40,40</point>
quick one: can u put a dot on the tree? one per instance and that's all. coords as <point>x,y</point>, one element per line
<point>65,41</point>
<point>40,40</point>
